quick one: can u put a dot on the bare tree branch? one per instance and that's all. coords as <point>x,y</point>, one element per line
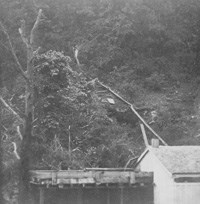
<point>4,46</point>
<point>76,51</point>
<point>15,150</point>
<point>78,48</point>
<point>22,33</point>
<point>6,136</point>
<point>11,109</point>
<point>35,27</point>
<point>19,67</point>
<point>4,127</point>
<point>19,132</point>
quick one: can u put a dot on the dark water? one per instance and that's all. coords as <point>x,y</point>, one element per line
<point>137,195</point>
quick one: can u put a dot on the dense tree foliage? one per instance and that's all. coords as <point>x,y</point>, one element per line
<point>146,50</point>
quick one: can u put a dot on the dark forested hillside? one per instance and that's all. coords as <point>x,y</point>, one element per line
<point>147,51</point>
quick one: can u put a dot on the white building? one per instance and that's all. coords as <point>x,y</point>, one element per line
<point>176,173</point>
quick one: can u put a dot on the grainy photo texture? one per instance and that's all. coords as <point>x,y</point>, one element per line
<point>99,102</point>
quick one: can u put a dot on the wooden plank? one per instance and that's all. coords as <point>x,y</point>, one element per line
<point>114,173</point>
<point>115,177</point>
<point>104,180</point>
<point>45,174</point>
<point>76,181</point>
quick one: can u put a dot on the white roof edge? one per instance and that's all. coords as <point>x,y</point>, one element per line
<point>164,167</point>
<point>148,149</point>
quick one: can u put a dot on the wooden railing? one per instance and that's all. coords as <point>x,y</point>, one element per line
<point>89,176</point>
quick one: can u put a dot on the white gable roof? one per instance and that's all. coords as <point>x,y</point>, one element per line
<point>177,159</point>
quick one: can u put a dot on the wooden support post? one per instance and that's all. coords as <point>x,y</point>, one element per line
<point>41,195</point>
<point>144,135</point>
<point>97,197</point>
<point>108,196</point>
<point>33,194</point>
<point>121,195</point>
<point>80,196</point>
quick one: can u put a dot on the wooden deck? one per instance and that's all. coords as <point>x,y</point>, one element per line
<point>86,181</point>
<point>89,177</point>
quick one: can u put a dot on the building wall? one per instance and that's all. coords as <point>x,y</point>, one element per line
<point>163,182</point>
<point>166,191</point>
<point>187,193</point>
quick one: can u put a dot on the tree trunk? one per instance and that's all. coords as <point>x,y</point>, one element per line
<point>25,195</point>
<point>26,142</point>
<point>25,154</point>
<point>1,167</point>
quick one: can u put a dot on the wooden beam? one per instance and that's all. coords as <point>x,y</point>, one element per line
<point>115,94</point>
<point>145,123</point>
<point>69,143</point>
<point>133,108</point>
<point>108,196</point>
<point>144,135</point>
<point>121,196</point>
<point>109,169</point>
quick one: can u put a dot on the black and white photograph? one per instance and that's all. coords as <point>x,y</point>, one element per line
<point>99,101</point>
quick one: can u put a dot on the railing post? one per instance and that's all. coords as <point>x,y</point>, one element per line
<point>108,196</point>
<point>80,196</point>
